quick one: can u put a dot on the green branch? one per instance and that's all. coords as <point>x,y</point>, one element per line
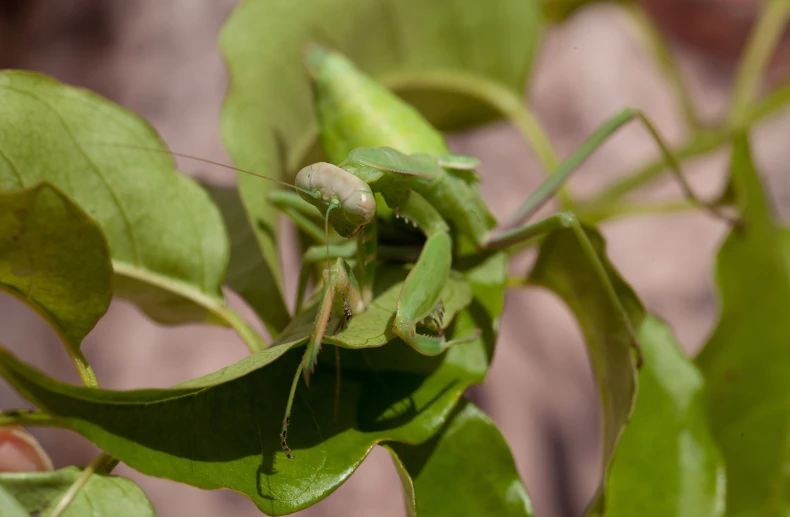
<point>759,50</point>
<point>30,417</point>
<point>657,45</point>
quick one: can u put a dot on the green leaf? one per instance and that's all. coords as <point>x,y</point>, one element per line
<point>666,462</point>
<point>100,497</point>
<point>222,430</point>
<point>746,360</point>
<point>454,60</point>
<point>563,268</point>
<point>11,507</point>
<point>54,257</point>
<point>248,274</point>
<point>466,469</point>
<point>168,246</point>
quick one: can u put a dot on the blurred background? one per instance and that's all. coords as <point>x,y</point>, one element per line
<point>160,59</point>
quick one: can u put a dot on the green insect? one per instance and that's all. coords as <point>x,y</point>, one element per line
<point>391,161</point>
<point>388,154</point>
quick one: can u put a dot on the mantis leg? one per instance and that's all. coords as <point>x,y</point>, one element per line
<point>549,187</point>
<point>420,297</point>
<point>341,297</point>
<point>315,254</point>
<point>567,220</point>
<point>421,292</point>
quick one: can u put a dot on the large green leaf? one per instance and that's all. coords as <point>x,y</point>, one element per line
<point>666,463</point>
<point>466,469</point>
<point>166,239</point>
<point>453,59</point>
<point>747,359</point>
<point>248,273</point>
<point>563,268</point>
<point>54,257</point>
<point>101,496</point>
<point>221,431</point>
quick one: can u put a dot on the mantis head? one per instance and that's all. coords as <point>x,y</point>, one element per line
<point>323,184</point>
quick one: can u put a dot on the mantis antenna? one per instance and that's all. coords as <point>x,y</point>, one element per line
<point>204,160</point>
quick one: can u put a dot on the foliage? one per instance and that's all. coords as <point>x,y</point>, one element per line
<point>746,359</point>
<point>101,495</point>
<point>81,220</point>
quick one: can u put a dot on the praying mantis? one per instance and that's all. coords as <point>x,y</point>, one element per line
<point>390,160</point>
<point>387,153</point>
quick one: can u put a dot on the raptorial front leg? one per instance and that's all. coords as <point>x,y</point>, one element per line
<point>420,297</point>
<point>567,220</point>
<point>341,298</point>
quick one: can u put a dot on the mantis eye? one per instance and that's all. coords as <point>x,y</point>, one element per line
<point>360,207</point>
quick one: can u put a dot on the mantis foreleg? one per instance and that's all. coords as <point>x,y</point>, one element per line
<point>419,300</point>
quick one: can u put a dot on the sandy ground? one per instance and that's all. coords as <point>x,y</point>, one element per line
<point>160,60</point>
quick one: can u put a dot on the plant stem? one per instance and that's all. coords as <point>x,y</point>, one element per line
<point>83,367</point>
<point>248,335</point>
<point>656,45</point>
<point>528,125</point>
<point>98,464</point>
<point>772,103</point>
<point>594,215</point>
<point>760,48</point>
<point>32,417</point>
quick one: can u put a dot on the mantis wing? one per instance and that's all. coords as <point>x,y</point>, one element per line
<point>388,159</point>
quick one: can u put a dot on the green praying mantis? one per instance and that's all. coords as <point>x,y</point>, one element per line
<point>386,151</point>
<point>391,160</point>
